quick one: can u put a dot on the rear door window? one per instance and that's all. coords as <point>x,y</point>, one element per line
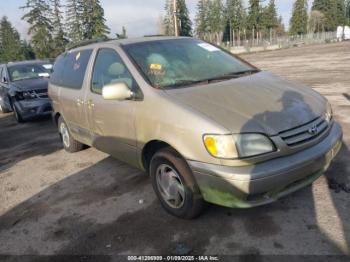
<point>69,70</point>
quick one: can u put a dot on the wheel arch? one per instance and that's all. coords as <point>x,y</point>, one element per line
<point>152,147</point>
<point>55,117</point>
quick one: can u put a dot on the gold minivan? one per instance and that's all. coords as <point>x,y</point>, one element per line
<point>206,125</point>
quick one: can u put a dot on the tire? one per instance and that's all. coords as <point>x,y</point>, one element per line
<point>69,143</point>
<point>168,164</point>
<point>3,110</point>
<point>17,115</point>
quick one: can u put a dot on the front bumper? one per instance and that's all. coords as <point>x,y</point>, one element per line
<point>263,183</point>
<point>34,108</point>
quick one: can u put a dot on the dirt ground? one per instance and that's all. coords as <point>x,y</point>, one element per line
<point>52,202</point>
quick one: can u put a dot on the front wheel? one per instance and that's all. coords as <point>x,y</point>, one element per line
<point>17,114</point>
<point>69,143</point>
<point>175,185</point>
<point>3,110</point>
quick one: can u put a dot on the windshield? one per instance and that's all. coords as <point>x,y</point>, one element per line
<point>182,62</point>
<point>27,71</point>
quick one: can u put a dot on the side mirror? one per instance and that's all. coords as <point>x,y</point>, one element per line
<point>116,91</point>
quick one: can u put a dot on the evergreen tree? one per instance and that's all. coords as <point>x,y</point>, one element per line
<point>59,40</point>
<point>280,30</point>
<point>341,12</point>
<point>27,50</point>
<point>254,15</point>
<point>202,23</point>
<point>10,43</point>
<point>329,9</point>
<point>216,20</point>
<point>298,22</point>
<point>235,20</point>
<point>74,20</point>
<point>235,14</point>
<point>185,23</point>
<point>168,21</point>
<point>184,19</point>
<point>40,29</point>
<point>271,19</point>
<point>93,20</point>
<point>348,12</point>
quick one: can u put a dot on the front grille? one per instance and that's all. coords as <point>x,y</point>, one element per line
<point>305,133</point>
<point>47,109</point>
<point>41,93</point>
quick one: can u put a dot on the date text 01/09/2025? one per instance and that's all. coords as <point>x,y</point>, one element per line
<point>173,258</point>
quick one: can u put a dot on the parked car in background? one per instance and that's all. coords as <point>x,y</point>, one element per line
<point>205,124</point>
<point>23,89</point>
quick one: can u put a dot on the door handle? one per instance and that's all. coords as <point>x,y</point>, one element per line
<point>79,102</point>
<point>90,104</point>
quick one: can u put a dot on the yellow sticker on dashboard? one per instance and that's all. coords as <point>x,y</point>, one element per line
<point>157,67</point>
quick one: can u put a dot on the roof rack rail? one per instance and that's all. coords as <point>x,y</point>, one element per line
<point>87,42</point>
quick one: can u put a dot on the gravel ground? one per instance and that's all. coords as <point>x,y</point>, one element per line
<point>52,202</point>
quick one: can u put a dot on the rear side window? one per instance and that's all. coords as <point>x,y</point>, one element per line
<point>57,71</point>
<point>69,69</point>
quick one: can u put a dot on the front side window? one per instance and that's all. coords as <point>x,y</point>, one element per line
<point>27,71</point>
<point>108,69</point>
<point>180,62</point>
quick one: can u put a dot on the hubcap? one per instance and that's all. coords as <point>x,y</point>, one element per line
<point>64,134</point>
<point>170,186</point>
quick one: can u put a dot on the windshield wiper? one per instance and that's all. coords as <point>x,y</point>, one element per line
<point>188,82</point>
<point>233,75</point>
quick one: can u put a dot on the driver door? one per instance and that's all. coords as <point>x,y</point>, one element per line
<point>112,122</point>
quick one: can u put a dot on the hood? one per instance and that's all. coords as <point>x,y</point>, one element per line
<point>30,84</point>
<point>261,102</point>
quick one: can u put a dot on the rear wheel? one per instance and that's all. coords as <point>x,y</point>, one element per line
<point>175,185</point>
<point>69,143</point>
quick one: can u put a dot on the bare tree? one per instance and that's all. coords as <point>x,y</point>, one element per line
<point>317,21</point>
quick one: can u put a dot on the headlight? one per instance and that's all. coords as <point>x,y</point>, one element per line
<point>329,113</point>
<point>238,146</point>
<point>222,146</point>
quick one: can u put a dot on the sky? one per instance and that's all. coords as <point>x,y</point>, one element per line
<point>140,17</point>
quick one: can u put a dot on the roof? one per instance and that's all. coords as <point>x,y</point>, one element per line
<point>126,41</point>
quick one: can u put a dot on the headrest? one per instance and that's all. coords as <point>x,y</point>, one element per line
<point>116,69</point>
<point>15,74</point>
